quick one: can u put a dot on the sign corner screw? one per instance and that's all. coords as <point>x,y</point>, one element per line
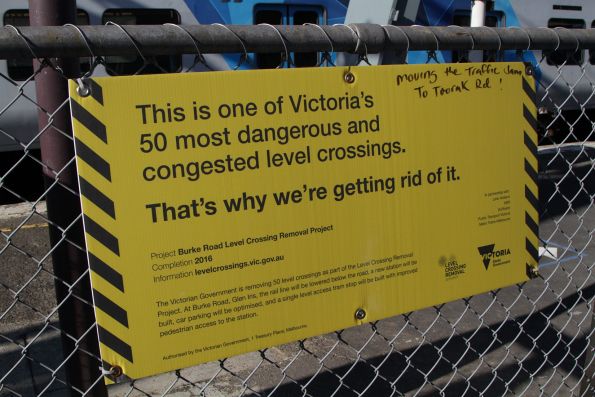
<point>360,314</point>
<point>532,272</point>
<point>83,88</point>
<point>116,371</point>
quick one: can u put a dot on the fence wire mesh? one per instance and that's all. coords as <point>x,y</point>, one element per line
<point>530,339</point>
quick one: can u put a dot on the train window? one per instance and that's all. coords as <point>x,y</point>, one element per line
<point>127,65</point>
<point>463,18</point>
<point>272,17</point>
<point>561,57</point>
<point>20,69</point>
<point>288,15</point>
<point>301,17</point>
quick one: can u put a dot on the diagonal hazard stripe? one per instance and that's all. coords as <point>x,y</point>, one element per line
<point>88,120</point>
<point>530,145</point>
<point>96,197</point>
<point>529,91</point>
<point>96,91</point>
<point>532,224</point>
<point>532,250</point>
<point>96,231</point>
<point>531,199</point>
<point>115,343</point>
<point>106,272</point>
<point>530,171</point>
<point>110,308</point>
<point>86,154</point>
<point>529,117</point>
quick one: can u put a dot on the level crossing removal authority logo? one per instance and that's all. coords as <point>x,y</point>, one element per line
<point>489,254</point>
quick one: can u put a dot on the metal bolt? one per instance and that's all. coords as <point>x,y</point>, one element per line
<point>349,77</point>
<point>360,314</point>
<point>116,371</point>
<point>529,70</point>
<point>83,89</point>
<point>533,272</point>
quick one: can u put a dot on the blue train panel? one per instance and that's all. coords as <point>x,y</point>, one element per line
<point>273,12</point>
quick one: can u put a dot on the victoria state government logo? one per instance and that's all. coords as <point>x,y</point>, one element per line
<point>491,255</point>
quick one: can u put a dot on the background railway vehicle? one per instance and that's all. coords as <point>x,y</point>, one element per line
<point>571,85</point>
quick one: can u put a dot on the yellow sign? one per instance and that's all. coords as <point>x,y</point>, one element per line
<point>230,211</point>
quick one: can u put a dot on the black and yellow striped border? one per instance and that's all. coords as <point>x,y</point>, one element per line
<point>531,168</point>
<point>92,148</point>
<point>95,182</point>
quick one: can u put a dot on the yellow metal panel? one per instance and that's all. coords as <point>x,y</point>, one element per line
<point>239,210</point>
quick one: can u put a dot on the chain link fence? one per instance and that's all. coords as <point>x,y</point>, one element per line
<point>529,339</point>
